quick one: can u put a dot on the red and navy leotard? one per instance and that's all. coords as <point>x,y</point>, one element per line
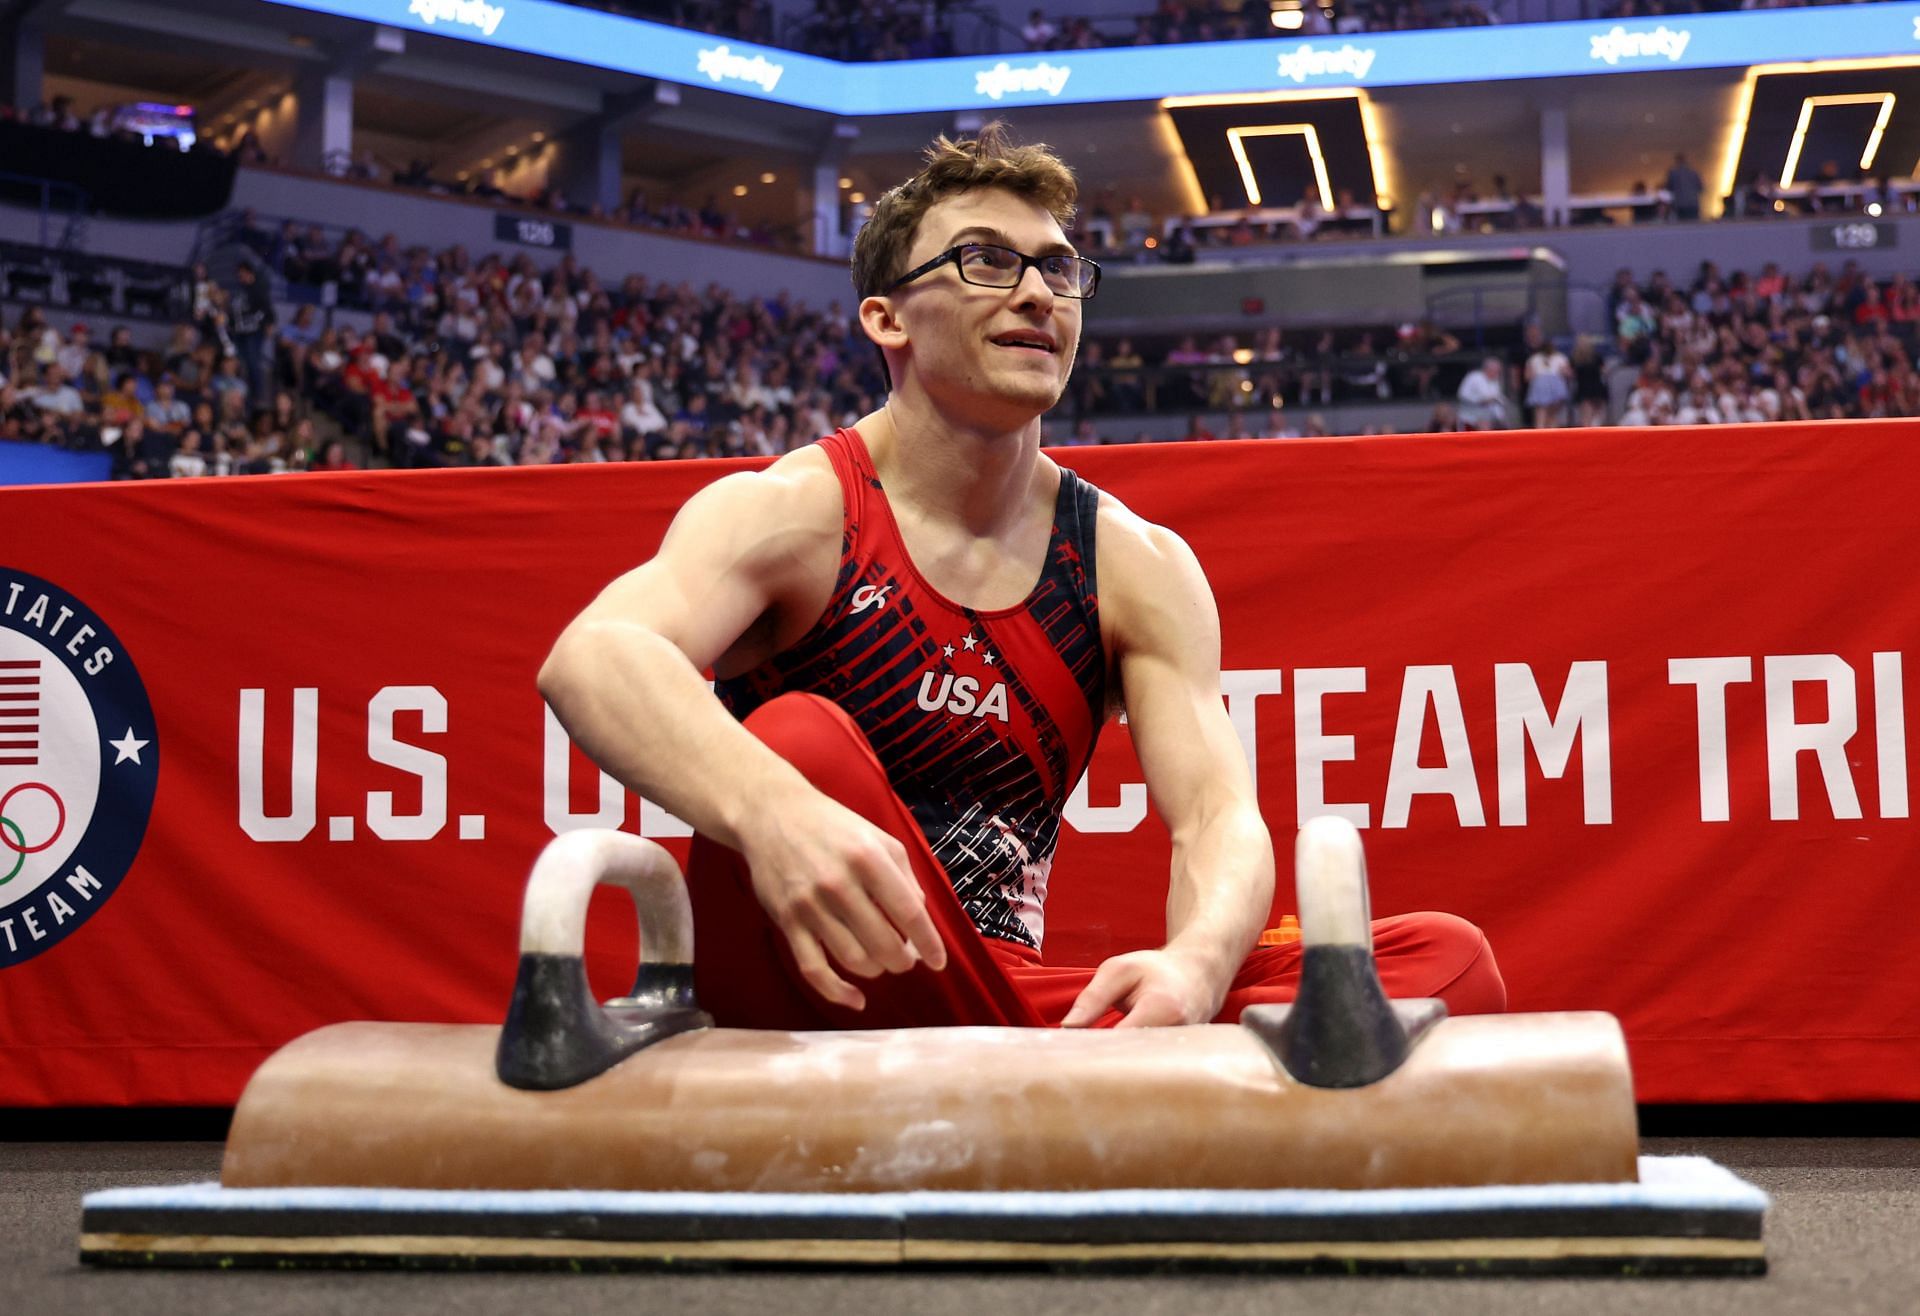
<point>984,721</point>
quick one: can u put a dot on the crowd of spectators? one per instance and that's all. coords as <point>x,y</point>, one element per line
<point>1767,346</point>
<point>1723,349</point>
<point>469,361</point>
<point>60,114</point>
<point>184,410</point>
<point>640,210</point>
<point>463,361</point>
<point>1110,229</point>
<point>1264,372</point>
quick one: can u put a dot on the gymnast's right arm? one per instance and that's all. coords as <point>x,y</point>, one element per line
<point>625,680</point>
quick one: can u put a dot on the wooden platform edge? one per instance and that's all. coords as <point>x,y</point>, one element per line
<point>1649,1257</point>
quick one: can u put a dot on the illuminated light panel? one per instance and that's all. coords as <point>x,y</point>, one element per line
<point>1383,186</point>
<point>1236,138</point>
<point>1274,97</point>
<point>1737,131</point>
<point>1808,104</point>
<point>1176,149</point>
<point>1369,126</point>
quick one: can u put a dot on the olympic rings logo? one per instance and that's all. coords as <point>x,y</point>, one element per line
<point>13,838</point>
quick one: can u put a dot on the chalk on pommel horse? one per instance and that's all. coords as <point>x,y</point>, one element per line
<point>1345,1132</point>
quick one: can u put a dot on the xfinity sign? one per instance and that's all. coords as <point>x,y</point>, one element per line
<point>1309,62</point>
<point>1003,79</point>
<point>1617,44</point>
<point>476,14</point>
<point>722,65</point>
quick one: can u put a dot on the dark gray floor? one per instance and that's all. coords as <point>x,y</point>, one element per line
<point>1843,1237</point>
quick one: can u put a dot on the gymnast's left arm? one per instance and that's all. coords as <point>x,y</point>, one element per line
<point>1165,633</point>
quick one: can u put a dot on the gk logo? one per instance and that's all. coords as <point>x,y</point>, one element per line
<point>870,596</point>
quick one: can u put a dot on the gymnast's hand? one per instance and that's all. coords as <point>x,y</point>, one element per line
<point>1151,988</point>
<point>842,892</point>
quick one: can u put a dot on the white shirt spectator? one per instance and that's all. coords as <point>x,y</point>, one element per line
<point>641,414</point>
<point>1549,377</point>
<point>73,354</point>
<point>460,324</point>
<point>169,413</point>
<point>1482,399</point>
<point>488,377</point>
<point>535,370</point>
<point>59,398</point>
<point>1645,403</point>
<point>1696,409</point>
<point>1038,31</point>
<point>387,284</point>
<point>814,419</point>
<point>1737,410</point>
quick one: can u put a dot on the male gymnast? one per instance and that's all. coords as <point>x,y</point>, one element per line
<point>918,626</point>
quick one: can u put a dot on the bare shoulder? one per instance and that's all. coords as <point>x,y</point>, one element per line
<point>768,515</point>
<point>797,489</point>
<point>1140,560</point>
<point>1154,597</point>
<point>1157,612</point>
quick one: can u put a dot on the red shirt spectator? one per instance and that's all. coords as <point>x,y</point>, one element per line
<point>363,372</point>
<point>601,422</point>
<point>391,393</point>
<point>1903,303</point>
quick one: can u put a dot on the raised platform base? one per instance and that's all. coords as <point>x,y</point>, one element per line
<point>1686,1216</point>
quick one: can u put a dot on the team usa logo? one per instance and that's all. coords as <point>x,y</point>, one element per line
<point>967,695</point>
<point>79,761</point>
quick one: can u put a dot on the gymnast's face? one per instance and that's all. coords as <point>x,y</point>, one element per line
<point>998,356</point>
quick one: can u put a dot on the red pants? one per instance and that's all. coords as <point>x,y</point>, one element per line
<point>746,977</point>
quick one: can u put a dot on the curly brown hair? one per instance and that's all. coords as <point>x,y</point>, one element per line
<point>988,159</point>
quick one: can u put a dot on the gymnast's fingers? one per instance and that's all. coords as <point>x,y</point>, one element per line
<point>852,924</point>
<point>853,907</point>
<point>812,962</point>
<point>900,898</point>
<point>1152,1009</point>
<point>1112,983</point>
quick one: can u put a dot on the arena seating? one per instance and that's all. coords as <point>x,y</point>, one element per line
<point>437,359</point>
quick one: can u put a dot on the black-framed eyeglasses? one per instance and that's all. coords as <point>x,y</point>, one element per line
<point>990,266</point>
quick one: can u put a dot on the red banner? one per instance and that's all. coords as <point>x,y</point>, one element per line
<point>1634,702</point>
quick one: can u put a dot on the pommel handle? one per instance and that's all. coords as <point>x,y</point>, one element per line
<point>556,1035</point>
<point>1341,1030</point>
<point>1330,884</point>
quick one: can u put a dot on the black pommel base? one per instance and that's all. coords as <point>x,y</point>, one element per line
<point>1341,1030</point>
<point>557,1036</point>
